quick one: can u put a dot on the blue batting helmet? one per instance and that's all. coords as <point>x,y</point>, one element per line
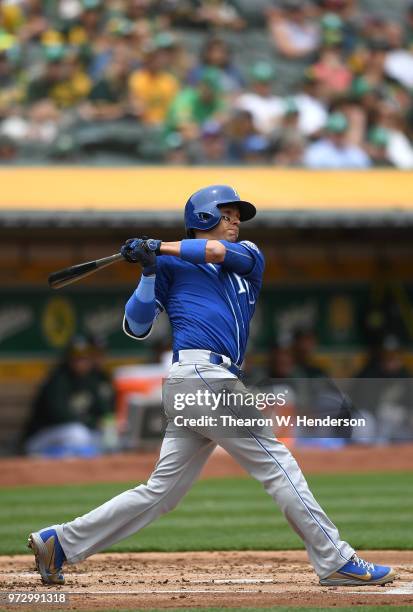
<point>202,208</point>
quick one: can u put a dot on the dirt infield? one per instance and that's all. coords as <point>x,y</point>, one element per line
<point>184,580</point>
<point>221,579</point>
<point>138,466</point>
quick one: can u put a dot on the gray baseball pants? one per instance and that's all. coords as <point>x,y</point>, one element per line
<point>180,463</point>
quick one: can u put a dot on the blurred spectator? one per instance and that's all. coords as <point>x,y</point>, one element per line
<point>340,17</point>
<point>377,143</point>
<point>312,108</point>
<point>106,100</point>
<point>383,315</point>
<point>38,124</point>
<point>309,391</point>
<point>333,150</point>
<point>175,153</point>
<point>117,43</point>
<point>68,10</point>
<point>282,373</point>
<point>137,9</point>
<point>27,19</point>
<point>399,62</point>
<point>304,348</point>
<point>108,437</point>
<point>12,89</point>
<point>89,22</point>
<point>177,59</point>
<point>218,14</point>
<point>346,9</point>
<point>255,150</point>
<point>373,62</point>
<point>152,88</point>
<point>239,128</point>
<point>290,150</point>
<point>212,148</point>
<point>265,108</point>
<point>331,30</point>
<point>98,354</point>
<point>8,149</point>
<point>386,362</point>
<point>384,393</point>
<point>287,140</point>
<point>216,54</point>
<point>207,14</point>
<point>295,34</point>
<point>11,17</point>
<point>332,72</point>
<point>67,63</point>
<point>408,28</point>
<point>318,395</point>
<point>372,28</point>
<point>289,123</point>
<point>62,80</point>
<point>357,117</point>
<point>69,408</point>
<point>399,148</point>
<point>281,362</point>
<point>195,105</point>
<point>366,98</point>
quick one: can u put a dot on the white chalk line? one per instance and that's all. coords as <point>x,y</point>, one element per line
<point>217,591</point>
<point>405,589</point>
<point>189,591</point>
<point>235,581</point>
<point>162,592</point>
<point>209,581</point>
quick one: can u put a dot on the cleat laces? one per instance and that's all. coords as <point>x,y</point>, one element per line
<point>363,564</point>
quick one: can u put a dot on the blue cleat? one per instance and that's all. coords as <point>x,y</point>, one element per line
<point>357,572</point>
<point>49,555</point>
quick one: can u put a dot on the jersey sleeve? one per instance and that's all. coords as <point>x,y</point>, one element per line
<point>245,259</point>
<point>162,283</point>
<point>257,271</point>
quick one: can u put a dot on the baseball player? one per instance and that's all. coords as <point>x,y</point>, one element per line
<point>208,285</point>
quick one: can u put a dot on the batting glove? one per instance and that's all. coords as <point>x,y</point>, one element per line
<point>136,250</point>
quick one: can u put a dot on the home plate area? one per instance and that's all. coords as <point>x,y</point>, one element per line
<point>193,579</point>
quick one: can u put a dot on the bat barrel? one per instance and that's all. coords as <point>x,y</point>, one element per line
<point>67,275</point>
<point>64,277</point>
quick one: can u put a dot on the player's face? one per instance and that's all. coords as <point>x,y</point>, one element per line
<point>228,228</point>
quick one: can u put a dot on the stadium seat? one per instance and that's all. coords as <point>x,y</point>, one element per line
<point>393,10</point>
<point>253,11</point>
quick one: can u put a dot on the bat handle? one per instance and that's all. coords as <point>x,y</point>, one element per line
<point>107,261</point>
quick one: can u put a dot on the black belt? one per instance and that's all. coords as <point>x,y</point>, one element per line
<point>216,359</point>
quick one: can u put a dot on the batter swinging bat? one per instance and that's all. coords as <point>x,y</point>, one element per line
<point>64,277</point>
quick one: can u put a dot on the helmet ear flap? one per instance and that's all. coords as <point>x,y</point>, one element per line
<point>204,216</point>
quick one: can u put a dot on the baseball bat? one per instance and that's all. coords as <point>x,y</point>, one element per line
<point>64,277</point>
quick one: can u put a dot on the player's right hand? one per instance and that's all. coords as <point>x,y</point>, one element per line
<point>135,251</point>
<point>132,250</point>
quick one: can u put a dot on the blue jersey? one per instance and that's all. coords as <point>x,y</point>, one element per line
<point>209,306</point>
